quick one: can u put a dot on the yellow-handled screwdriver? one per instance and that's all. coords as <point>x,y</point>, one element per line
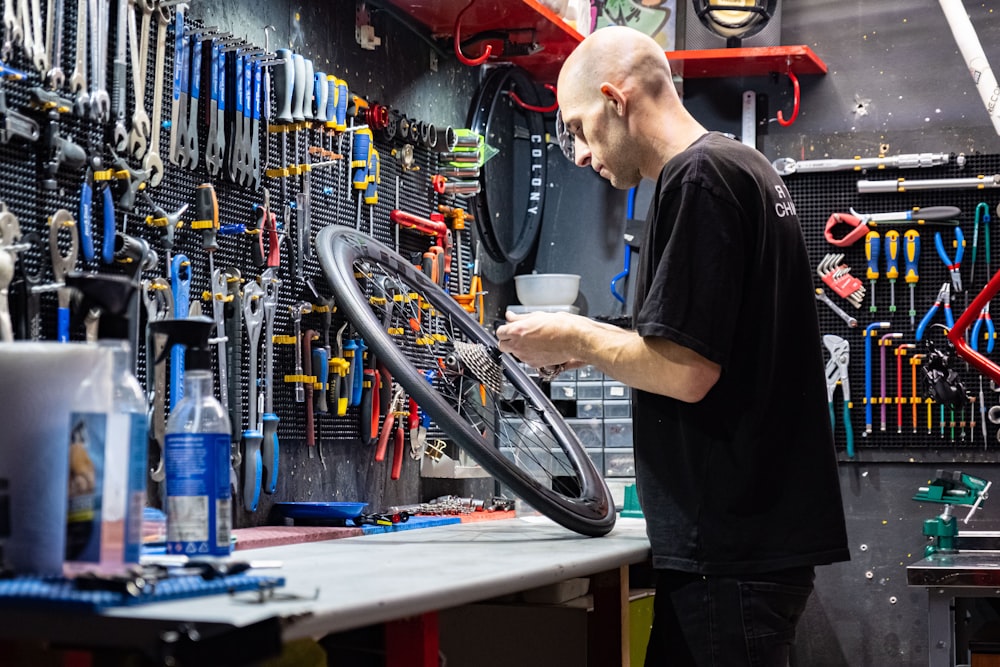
<point>872,245</point>
<point>911,251</point>
<point>892,265</point>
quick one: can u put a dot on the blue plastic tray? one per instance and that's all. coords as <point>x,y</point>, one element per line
<point>320,510</point>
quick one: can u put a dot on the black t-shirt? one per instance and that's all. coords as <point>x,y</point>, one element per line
<point>745,480</point>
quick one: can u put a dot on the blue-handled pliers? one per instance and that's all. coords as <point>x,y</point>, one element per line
<point>984,316</point>
<point>836,373</point>
<point>956,277</point>
<point>943,298</point>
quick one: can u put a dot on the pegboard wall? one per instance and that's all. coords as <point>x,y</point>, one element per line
<point>34,189</point>
<point>819,195</point>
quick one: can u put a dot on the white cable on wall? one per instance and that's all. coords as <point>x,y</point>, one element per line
<point>975,57</point>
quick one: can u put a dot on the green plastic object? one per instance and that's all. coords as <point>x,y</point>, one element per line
<point>631,509</point>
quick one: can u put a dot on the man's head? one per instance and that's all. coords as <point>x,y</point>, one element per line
<point>617,98</point>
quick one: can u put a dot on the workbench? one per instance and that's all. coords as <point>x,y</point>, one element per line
<point>400,579</point>
<point>947,577</point>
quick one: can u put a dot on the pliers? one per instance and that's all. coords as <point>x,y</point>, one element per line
<point>943,298</point>
<point>956,277</point>
<point>836,373</point>
<point>984,316</point>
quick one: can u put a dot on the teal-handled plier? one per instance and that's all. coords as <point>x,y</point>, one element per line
<point>836,373</point>
<point>953,266</point>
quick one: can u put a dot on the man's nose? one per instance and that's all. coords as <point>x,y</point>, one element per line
<point>581,152</point>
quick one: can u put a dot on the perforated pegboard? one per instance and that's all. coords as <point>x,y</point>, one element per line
<point>333,201</point>
<point>819,195</point>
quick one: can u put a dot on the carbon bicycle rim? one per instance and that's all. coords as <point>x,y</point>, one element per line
<point>482,399</point>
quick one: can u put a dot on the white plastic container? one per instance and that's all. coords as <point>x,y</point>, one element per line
<point>547,289</point>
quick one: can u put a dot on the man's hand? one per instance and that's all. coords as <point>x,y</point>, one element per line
<point>540,339</point>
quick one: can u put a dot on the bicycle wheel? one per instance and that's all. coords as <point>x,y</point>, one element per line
<point>481,398</point>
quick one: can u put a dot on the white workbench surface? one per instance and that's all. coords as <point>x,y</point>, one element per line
<point>376,578</point>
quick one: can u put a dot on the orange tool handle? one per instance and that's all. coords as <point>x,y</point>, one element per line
<point>397,454</point>
<point>383,438</point>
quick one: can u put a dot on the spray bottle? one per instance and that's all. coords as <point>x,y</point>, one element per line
<point>108,430</point>
<point>196,449</point>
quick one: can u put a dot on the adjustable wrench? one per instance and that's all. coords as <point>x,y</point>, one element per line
<point>138,138</point>
<point>54,42</point>
<point>253,316</point>
<point>78,79</point>
<point>118,79</point>
<point>153,163</point>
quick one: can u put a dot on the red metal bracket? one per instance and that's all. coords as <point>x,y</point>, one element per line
<point>796,97</point>
<point>462,58</point>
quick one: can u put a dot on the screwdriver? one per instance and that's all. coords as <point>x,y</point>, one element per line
<point>892,265</point>
<point>872,246</point>
<point>911,251</point>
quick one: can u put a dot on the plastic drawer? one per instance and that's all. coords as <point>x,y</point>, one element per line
<point>559,390</point>
<point>589,431</point>
<point>615,391</point>
<point>614,409</point>
<point>588,373</point>
<point>589,409</point>
<point>619,463</point>
<point>617,433</point>
<point>589,391</point>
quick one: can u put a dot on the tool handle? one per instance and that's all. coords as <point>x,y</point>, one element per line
<point>358,369</point>
<point>397,454</point>
<point>976,330</point>
<point>321,90</point>
<point>350,354</point>
<point>256,231</point>
<point>108,213</point>
<point>360,158</point>
<point>925,322</point>
<point>848,428</point>
<point>833,417</point>
<point>872,246</point>
<point>911,253</point>
<point>321,367</point>
<point>892,254</point>
<point>374,178</point>
<point>255,88</point>
<point>86,219</point>
<point>62,325</point>
<point>270,451</point>
<point>252,474</point>
<point>207,216</point>
<point>934,213</point>
<point>343,95</point>
<point>385,397</point>
<point>337,396</point>
<point>307,338</point>
<point>298,87</point>
<point>308,79</point>
<point>383,438</point>
<point>284,79</point>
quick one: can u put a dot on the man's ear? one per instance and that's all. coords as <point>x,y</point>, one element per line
<point>613,95</point>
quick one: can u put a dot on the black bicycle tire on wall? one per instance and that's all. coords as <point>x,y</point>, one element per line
<point>494,89</point>
<point>590,511</point>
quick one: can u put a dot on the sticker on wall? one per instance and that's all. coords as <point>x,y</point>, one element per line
<point>656,18</point>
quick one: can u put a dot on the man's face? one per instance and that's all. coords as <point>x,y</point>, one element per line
<point>600,139</point>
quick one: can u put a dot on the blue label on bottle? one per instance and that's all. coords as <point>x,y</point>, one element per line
<point>138,444</point>
<point>198,503</point>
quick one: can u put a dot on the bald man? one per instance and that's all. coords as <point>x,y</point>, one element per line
<point>736,470</point>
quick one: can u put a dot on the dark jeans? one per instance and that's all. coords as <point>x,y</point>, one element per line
<point>727,621</point>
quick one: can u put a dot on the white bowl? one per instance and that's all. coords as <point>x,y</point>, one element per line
<point>547,289</point>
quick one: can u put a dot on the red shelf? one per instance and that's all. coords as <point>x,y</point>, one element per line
<point>756,61</point>
<point>557,40</point>
<point>550,32</point>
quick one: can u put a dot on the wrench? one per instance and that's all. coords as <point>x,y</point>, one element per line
<point>159,302</point>
<point>215,142</point>
<point>12,33</point>
<point>61,265</point>
<point>189,145</point>
<point>54,43</point>
<point>269,420</point>
<point>35,47</point>
<point>138,138</point>
<point>119,76</point>
<point>100,101</point>
<point>153,163</point>
<point>178,106</point>
<point>253,315</point>
<point>78,79</point>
